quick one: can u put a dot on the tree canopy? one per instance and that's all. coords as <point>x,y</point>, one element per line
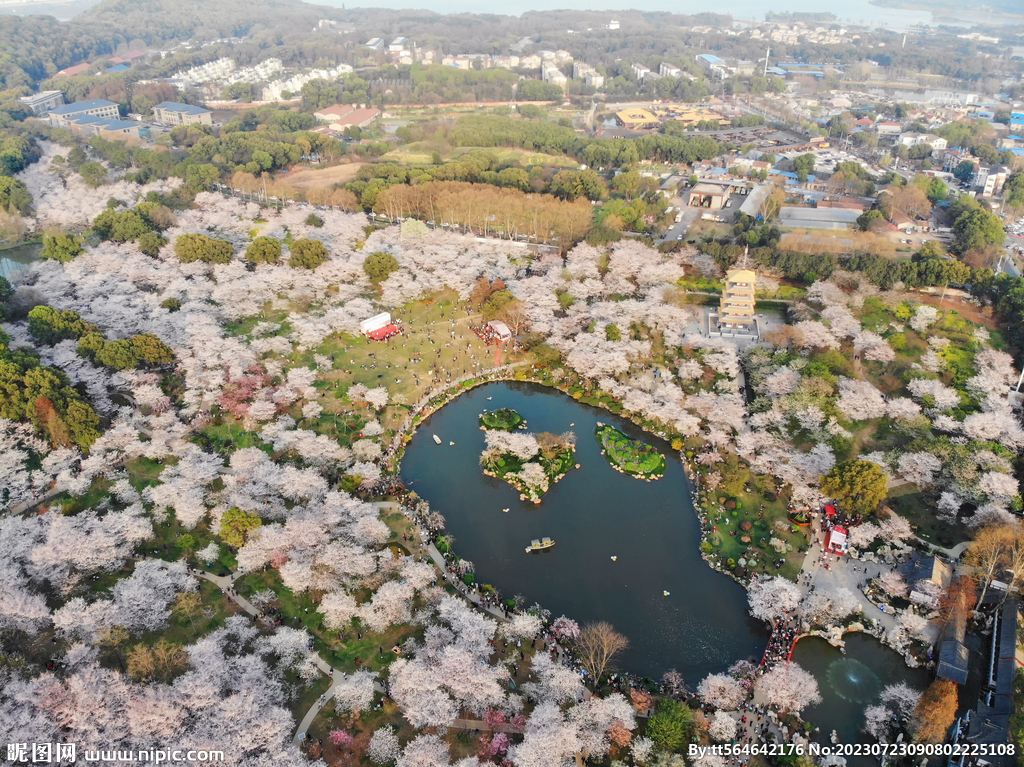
<point>306,254</point>
<point>199,247</point>
<point>858,487</point>
<point>379,265</point>
<point>263,250</point>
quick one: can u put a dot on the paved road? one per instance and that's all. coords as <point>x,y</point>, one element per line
<point>689,216</point>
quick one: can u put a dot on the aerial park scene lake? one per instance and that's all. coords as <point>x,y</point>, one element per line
<point>628,551</point>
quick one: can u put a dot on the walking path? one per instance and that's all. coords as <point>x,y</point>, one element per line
<point>226,583</point>
<point>842,572</point>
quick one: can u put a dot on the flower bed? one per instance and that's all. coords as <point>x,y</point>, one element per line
<point>629,456</point>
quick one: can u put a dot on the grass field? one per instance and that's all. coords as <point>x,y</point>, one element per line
<point>323,178</point>
<point>419,153</point>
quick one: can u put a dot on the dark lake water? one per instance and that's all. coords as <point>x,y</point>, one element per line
<point>851,682</point>
<point>18,259</point>
<point>593,513</point>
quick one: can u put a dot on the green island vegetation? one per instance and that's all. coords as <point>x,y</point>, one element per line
<point>503,419</point>
<point>629,456</point>
<point>531,463</point>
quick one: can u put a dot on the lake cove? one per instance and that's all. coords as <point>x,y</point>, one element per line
<point>594,513</point>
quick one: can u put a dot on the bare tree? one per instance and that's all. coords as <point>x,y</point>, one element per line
<point>987,554</point>
<point>1015,563</point>
<point>515,315</point>
<point>598,645</point>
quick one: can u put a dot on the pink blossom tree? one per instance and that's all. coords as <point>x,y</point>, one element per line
<point>789,688</point>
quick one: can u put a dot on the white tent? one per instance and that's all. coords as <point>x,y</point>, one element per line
<point>500,329</point>
<point>376,322</point>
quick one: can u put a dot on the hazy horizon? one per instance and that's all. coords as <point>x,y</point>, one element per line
<point>851,12</point>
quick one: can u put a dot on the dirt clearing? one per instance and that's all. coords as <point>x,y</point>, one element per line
<point>323,178</point>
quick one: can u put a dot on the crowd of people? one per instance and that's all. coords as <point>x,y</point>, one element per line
<point>780,645</point>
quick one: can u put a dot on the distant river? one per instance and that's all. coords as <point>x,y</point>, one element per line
<point>593,514</point>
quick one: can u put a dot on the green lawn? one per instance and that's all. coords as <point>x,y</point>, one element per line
<point>421,153</point>
<point>908,501</point>
<point>631,456</point>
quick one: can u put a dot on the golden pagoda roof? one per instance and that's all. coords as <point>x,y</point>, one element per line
<point>741,275</point>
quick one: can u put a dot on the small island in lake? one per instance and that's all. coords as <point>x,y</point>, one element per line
<point>629,456</point>
<point>531,463</point>
<point>505,419</point>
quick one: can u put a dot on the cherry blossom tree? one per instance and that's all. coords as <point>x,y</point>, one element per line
<point>998,487</point>
<point>384,747</point>
<point>914,625</point>
<point>355,692</point>
<point>859,400</point>
<point>555,681</point>
<point>863,535</point>
<point>893,584</point>
<point>723,727</point>
<point>565,629</point>
<point>722,691</point>
<point>425,751</point>
<point>772,598</point>
<point>549,739</point>
<point>789,688</point>
<point>895,528</point>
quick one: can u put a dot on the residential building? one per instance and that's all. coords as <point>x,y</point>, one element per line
<point>349,116</point>
<point>107,127</point>
<point>588,74</point>
<point>640,71</point>
<point>613,24</point>
<point>77,69</point>
<point>376,44</point>
<point>667,70</point>
<point>398,44</point>
<point>937,143</point>
<point>173,113</point>
<point>212,71</point>
<point>888,129</point>
<point>60,117</point>
<point>714,66</point>
<point>42,102</point>
<point>530,62</point>
<point>636,119</point>
<point>552,74</point>
<point>990,181</point>
<point>736,309</point>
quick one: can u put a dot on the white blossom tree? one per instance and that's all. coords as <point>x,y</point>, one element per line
<point>789,688</point>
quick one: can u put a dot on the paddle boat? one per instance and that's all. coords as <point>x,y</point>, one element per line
<point>535,545</point>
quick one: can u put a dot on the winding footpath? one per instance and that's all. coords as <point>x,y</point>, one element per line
<point>226,584</point>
